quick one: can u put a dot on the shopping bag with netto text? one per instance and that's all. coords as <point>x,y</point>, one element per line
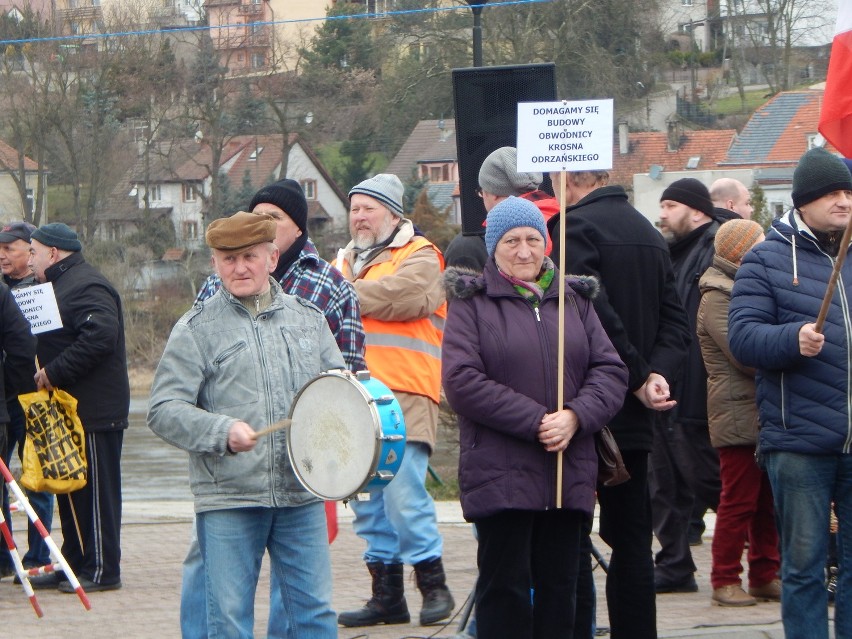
<point>55,445</point>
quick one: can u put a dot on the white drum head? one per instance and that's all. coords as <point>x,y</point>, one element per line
<point>334,437</point>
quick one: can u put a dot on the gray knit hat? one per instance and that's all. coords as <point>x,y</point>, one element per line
<point>819,173</point>
<point>690,192</point>
<point>384,187</point>
<point>58,235</point>
<point>510,214</point>
<point>499,175</point>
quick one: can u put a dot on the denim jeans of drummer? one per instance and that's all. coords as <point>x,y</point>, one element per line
<point>193,598</point>
<point>398,522</point>
<point>804,487</point>
<point>233,543</point>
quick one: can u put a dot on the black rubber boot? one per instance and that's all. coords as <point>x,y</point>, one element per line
<point>387,605</point>
<point>432,582</point>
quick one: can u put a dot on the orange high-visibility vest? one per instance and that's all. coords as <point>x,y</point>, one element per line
<point>405,355</point>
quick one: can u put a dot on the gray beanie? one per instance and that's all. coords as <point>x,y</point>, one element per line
<point>58,235</point>
<point>510,214</point>
<point>819,173</point>
<point>384,187</point>
<point>499,175</point>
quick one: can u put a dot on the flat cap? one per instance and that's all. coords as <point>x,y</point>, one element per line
<point>239,231</point>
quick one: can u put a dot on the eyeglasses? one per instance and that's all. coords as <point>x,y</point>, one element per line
<point>478,192</point>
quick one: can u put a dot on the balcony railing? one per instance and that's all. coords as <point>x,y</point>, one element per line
<point>80,13</point>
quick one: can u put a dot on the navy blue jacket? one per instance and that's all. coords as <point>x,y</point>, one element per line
<point>803,401</point>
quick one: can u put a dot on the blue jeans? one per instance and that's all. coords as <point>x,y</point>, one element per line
<point>193,598</point>
<point>399,522</point>
<point>232,546</point>
<point>804,487</point>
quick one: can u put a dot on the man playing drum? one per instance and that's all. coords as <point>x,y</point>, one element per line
<point>397,275</point>
<point>232,366</point>
<point>300,271</point>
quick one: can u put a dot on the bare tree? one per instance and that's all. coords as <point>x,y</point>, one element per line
<point>770,32</point>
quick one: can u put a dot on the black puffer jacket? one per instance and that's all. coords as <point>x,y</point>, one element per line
<point>637,303</point>
<point>86,357</point>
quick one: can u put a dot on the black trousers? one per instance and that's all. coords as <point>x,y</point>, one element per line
<point>91,516</point>
<point>625,526</point>
<point>684,470</point>
<point>527,574</point>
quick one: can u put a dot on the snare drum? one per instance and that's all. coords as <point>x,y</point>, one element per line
<point>347,435</point>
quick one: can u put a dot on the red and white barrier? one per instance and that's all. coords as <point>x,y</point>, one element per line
<point>23,573</point>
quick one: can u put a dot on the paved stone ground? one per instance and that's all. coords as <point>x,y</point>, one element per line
<point>154,541</point>
<point>156,520</point>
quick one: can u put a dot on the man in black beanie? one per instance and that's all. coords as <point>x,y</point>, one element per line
<point>803,390</point>
<point>301,272</point>
<point>684,469</point>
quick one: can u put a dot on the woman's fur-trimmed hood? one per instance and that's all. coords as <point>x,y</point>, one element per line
<point>463,283</point>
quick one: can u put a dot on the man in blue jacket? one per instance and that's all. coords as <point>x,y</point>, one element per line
<point>803,386</point>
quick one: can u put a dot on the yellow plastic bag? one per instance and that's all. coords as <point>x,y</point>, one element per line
<point>55,445</point>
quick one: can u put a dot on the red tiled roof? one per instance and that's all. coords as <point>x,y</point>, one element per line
<point>174,255</point>
<point>9,158</point>
<point>649,148</point>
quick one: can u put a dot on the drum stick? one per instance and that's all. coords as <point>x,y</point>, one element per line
<point>279,425</point>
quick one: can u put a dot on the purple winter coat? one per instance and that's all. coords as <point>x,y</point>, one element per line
<point>499,374</point>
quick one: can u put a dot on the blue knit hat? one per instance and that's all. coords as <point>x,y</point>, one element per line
<point>384,187</point>
<point>510,214</point>
<point>58,235</point>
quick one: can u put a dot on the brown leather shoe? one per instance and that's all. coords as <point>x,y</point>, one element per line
<point>732,596</point>
<point>767,592</point>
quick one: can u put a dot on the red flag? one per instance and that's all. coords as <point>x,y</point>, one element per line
<point>835,121</point>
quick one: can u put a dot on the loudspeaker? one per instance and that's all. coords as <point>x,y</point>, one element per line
<point>485,100</point>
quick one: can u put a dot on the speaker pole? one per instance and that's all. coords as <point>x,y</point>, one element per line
<point>476,6</point>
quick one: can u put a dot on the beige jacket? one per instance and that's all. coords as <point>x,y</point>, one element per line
<point>731,407</point>
<point>415,291</point>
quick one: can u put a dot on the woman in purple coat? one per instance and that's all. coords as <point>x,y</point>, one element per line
<point>499,373</point>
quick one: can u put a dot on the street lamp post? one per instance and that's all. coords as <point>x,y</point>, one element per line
<point>476,6</point>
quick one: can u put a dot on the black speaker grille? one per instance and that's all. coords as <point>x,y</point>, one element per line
<point>485,100</point>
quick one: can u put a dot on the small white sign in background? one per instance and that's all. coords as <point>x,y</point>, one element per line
<point>38,303</point>
<point>565,136</point>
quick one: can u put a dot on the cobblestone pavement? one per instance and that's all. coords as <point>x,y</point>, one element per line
<point>155,538</point>
<point>157,516</point>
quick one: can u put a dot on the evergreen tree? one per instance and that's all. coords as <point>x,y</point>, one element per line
<point>342,43</point>
<point>761,213</point>
<point>430,221</point>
